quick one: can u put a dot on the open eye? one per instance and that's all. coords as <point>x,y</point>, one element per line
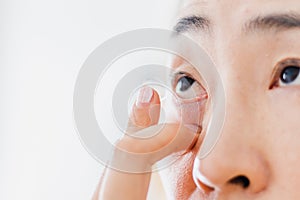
<point>287,73</point>
<point>187,87</point>
<point>289,76</point>
<point>184,84</point>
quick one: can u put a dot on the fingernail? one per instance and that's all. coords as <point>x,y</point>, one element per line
<point>144,96</point>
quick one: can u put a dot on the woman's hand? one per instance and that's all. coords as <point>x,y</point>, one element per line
<point>161,141</point>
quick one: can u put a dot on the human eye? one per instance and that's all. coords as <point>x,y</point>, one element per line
<point>187,88</point>
<point>288,73</point>
<point>290,76</point>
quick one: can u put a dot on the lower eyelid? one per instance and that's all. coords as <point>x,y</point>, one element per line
<point>200,98</point>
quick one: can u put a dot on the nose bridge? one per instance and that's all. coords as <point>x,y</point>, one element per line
<point>241,110</point>
<point>237,152</point>
<point>238,128</point>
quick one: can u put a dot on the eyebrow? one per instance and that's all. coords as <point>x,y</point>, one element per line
<point>192,23</point>
<point>272,22</point>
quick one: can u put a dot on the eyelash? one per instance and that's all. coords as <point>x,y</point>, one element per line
<point>175,80</point>
<point>289,62</point>
<point>177,76</point>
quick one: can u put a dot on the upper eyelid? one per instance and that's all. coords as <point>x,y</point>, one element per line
<point>177,75</point>
<point>289,61</point>
<point>280,66</point>
<point>190,71</point>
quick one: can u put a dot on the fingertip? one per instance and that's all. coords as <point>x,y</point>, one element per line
<point>147,96</point>
<point>156,98</point>
<point>146,110</point>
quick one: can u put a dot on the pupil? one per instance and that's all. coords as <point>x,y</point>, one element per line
<point>186,83</point>
<point>289,74</point>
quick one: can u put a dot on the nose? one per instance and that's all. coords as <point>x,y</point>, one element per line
<point>237,162</point>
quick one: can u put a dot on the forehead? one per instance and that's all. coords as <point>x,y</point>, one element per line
<point>232,18</point>
<point>236,26</point>
<point>232,3</point>
<point>237,7</point>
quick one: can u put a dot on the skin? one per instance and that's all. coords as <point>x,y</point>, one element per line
<point>260,137</point>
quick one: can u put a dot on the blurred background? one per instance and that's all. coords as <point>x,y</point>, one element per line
<point>43,45</point>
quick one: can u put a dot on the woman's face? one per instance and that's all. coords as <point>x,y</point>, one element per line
<point>256,48</point>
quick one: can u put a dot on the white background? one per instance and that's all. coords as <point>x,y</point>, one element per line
<point>42,47</point>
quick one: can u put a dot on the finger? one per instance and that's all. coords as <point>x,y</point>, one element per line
<point>146,110</point>
<point>160,136</point>
<point>141,154</point>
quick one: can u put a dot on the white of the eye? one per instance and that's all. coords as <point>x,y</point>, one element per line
<point>295,82</point>
<point>190,93</point>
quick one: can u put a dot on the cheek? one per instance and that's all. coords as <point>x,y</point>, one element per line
<point>286,115</point>
<point>284,137</point>
<point>177,178</point>
<point>192,112</point>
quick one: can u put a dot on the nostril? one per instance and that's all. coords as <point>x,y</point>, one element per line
<point>240,180</point>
